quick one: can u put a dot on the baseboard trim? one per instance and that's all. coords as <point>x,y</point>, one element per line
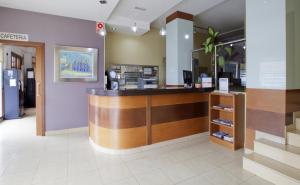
<point>147,147</point>
<point>65,131</point>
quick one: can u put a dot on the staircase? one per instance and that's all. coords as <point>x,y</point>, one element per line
<point>277,163</point>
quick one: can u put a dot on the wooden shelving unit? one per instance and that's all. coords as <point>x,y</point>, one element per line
<point>236,101</point>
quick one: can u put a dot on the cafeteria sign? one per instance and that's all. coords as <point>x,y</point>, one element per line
<point>13,36</point>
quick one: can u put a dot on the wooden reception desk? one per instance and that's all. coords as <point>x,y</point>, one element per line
<point>132,118</point>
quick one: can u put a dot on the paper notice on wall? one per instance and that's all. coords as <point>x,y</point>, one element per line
<point>12,82</point>
<point>272,75</point>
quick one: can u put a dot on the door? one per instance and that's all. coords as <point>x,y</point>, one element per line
<point>40,80</point>
<point>1,80</point>
<point>40,87</point>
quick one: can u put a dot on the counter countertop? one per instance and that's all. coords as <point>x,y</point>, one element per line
<point>140,92</point>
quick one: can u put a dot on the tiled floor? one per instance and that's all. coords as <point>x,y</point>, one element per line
<point>70,159</point>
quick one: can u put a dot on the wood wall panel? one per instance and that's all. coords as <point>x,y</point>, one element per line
<point>265,121</point>
<point>117,118</point>
<point>293,100</point>
<point>270,110</point>
<point>180,15</point>
<point>173,99</point>
<point>178,112</point>
<point>119,102</point>
<point>266,100</point>
<point>118,138</point>
<point>177,129</point>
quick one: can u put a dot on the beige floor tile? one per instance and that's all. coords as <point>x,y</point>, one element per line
<point>178,172</point>
<point>115,173</point>
<point>153,177</point>
<point>197,180</point>
<point>69,159</point>
<point>128,181</point>
<point>256,181</point>
<point>88,178</point>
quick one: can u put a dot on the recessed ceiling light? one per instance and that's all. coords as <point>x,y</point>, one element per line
<point>186,36</point>
<point>103,1</point>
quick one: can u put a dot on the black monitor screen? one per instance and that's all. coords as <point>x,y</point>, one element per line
<point>187,77</point>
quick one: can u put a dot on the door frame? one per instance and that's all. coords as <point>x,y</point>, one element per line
<point>40,81</point>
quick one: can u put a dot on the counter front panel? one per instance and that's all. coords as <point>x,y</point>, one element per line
<point>120,122</point>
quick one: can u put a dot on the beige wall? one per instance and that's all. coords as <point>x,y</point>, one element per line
<point>148,49</point>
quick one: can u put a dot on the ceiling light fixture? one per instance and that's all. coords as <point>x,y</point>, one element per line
<point>162,32</point>
<point>103,1</point>
<point>134,28</point>
<point>186,36</point>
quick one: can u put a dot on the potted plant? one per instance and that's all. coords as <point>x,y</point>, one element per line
<point>209,48</point>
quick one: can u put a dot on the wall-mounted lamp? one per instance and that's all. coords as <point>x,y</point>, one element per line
<point>102,32</point>
<point>162,32</point>
<point>134,28</point>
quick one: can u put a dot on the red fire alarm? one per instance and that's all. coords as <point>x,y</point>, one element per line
<point>99,26</point>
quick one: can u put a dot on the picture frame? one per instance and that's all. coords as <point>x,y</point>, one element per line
<point>75,64</point>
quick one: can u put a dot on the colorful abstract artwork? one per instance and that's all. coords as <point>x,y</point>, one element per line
<point>76,64</point>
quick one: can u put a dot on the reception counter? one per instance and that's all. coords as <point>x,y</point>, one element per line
<point>131,118</point>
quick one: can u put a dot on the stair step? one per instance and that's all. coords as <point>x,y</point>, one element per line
<point>271,170</point>
<point>286,154</point>
<point>293,138</point>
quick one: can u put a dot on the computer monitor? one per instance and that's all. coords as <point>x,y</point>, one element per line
<point>187,77</point>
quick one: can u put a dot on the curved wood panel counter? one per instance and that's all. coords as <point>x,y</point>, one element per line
<point>133,118</point>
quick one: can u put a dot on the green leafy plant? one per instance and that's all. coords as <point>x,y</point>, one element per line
<point>209,46</point>
<point>210,41</point>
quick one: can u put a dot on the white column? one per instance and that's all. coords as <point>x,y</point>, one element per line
<point>179,45</point>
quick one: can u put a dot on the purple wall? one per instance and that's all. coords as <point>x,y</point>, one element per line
<point>66,103</point>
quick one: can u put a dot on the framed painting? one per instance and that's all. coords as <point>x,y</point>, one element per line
<point>76,64</point>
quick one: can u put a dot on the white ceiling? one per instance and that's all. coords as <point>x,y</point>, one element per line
<point>194,7</point>
<point>81,9</point>
<point>126,15</point>
<point>122,14</point>
<point>226,16</point>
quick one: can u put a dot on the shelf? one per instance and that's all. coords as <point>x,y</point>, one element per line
<point>222,142</point>
<point>231,111</point>
<point>237,116</point>
<point>226,126</point>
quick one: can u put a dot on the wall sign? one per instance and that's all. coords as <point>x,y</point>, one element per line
<point>224,85</point>
<point>14,36</point>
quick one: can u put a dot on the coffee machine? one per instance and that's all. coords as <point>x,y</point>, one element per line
<point>112,80</point>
